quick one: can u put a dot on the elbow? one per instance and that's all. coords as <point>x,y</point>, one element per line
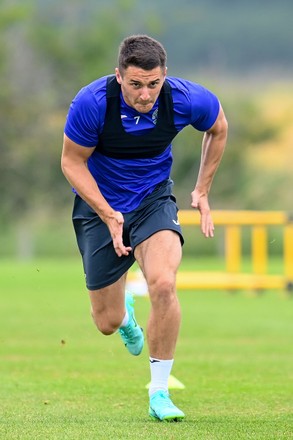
<point>65,166</point>
<point>226,126</point>
<point>223,124</point>
<point>223,130</point>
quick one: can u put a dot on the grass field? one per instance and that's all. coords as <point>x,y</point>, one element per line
<point>60,379</point>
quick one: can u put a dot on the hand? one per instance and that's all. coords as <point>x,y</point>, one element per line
<point>200,201</point>
<point>115,225</point>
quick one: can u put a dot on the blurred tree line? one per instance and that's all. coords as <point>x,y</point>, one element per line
<point>49,50</point>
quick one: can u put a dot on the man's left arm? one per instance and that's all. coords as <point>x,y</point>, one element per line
<point>213,145</point>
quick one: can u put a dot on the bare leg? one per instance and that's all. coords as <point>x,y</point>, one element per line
<point>108,306</point>
<point>159,258</point>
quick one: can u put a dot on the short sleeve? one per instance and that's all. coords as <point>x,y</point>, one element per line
<point>205,108</point>
<point>193,104</point>
<point>82,123</point>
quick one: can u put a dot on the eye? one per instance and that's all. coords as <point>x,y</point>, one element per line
<point>153,84</point>
<point>135,85</point>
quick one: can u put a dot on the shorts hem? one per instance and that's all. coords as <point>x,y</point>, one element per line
<point>106,283</point>
<point>158,230</point>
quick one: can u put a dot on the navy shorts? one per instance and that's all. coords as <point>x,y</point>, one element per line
<point>102,266</point>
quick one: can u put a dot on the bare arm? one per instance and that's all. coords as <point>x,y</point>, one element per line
<point>74,167</point>
<point>213,146</point>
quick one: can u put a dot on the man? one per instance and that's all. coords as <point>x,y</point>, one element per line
<point>117,156</point>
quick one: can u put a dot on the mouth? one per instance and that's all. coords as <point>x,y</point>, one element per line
<point>145,104</point>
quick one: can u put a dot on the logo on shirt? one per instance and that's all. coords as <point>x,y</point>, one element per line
<point>155,116</point>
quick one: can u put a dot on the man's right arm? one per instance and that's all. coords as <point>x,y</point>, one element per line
<point>74,167</point>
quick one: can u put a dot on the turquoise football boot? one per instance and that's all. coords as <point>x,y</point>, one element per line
<point>162,408</point>
<point>132,334</point>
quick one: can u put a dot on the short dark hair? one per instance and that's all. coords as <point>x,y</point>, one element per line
<point>141,51</point>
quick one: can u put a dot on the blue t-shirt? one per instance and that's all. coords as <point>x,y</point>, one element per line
<point>126,182</point>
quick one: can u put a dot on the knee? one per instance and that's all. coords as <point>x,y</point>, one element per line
<point>163,288</point>
<point>105,326</point>
<point>165,283</point>
<point>106,330</point>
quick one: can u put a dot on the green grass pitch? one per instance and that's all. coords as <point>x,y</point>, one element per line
<point>60,379</point>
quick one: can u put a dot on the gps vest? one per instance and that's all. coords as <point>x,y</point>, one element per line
<point>115,142</point>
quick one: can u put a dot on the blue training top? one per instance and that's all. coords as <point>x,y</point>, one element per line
<point>126,182</point>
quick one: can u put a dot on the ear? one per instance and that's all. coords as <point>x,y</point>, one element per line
<point>118,76</point>
<point>165,72</point>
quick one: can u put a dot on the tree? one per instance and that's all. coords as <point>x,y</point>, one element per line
<point>48,52</point>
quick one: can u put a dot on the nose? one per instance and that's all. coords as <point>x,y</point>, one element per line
<point>144,95</point>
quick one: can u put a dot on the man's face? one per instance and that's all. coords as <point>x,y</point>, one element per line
<point>141,88</point>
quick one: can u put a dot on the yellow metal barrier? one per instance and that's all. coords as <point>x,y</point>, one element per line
<point>233,221</point>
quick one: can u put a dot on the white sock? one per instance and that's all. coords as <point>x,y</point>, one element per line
<point>160,372</point>
<point>125,319</point>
